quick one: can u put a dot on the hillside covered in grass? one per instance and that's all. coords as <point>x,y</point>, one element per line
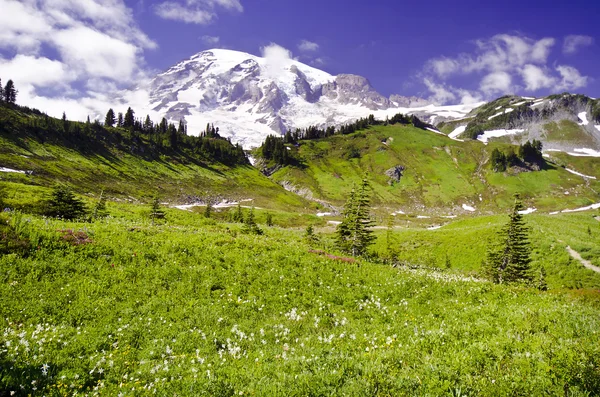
<point>125,163</point>
<point>436,175</point>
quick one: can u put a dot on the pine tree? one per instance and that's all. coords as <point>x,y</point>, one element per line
<point>238,215</point>
<point>99,210</point>
<point>509,262</point>
<point>208,209</point>
<point>250,225</point>
<point>64,204</point>
<point>155,211</point>
<point>109,121</point>
<point>10,93</point>
<point>269,220</point>
<point>181,128</point>
<point>120,120</point>
<point>354,234</point>
<point>129,119</point>
<point>542,285</point>
<point>310,236</point>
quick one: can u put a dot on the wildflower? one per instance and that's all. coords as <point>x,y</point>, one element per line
<point>45,369</point>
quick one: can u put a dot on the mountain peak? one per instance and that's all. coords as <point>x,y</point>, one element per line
<point>250,97</point>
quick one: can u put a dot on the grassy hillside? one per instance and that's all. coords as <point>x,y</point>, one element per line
<point>440,174</point>
<point>126,165</point>
<point>194,307</point>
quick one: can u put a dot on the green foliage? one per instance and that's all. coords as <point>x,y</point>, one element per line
<point>541,281</point>
<point>509,262</point>
<point>110,120</point>
<point>99,209</point>
<point>11,242</point>
<point>156,212</point>
<point>64,204</point>
<point>354,234</point>
<point>274,149</point>
<point>10,93</point>
<point>269,219</point>
<point>498,161</point>
<point>310,236</point>
<point>237,215</point>
<point>208,209</point>
<point>209,312</point>
<point>250,226</point>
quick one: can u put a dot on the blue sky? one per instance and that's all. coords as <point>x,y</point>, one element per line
<point>77,54</point>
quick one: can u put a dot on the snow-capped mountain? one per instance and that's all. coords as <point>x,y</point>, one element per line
<point>249,97</point>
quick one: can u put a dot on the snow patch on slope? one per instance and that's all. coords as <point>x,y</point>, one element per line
<point>583,117</point>
<point>496,134</point>
<point>579,174</point>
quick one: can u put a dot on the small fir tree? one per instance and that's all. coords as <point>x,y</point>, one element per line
<point>542,285</point>
<point>269,220</point>
<point>208,210</point>
<point>250,225</point>
<point>310,236</point>
<point>238,216</point>
<point>156,211</point>
<point>509,261</point>
<point>353,233</point>
<point>64,204</point>
<point>99,210</point>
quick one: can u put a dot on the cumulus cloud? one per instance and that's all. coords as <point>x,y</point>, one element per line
<point>277,57</point>
<point>503,64</point>
<point>66,46</point>
<point>200,12</point>
<point>308,46</point>
<point>573,43</point>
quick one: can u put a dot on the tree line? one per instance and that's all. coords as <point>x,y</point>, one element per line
<point>529,152</point>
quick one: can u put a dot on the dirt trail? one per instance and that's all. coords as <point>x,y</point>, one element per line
<point>584,262</point>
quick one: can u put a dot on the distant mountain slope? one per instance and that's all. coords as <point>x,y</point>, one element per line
<point>565,122</point>
<point>38,150</point>
<point>250,97</point>
<point>437,175</point>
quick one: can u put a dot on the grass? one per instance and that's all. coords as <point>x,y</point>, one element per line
<point>194,307</point>
<point>440,174</point>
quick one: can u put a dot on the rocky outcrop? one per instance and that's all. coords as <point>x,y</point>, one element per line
<point>395,173</point>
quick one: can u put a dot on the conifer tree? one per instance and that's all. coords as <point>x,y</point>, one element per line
<point>109,121</point>
<point>208,209</point>
<point>269,220</point>
<point>155,211</point>
<point>509,262</point>
<point>10,93</point>
<point>1,91</point>
<point>181,128</point>
<point>129,119</point>
<point>354,234</point>
<point>64,204</point>
<point>99,210</point>
<point>120,120</point>
<point>250,225</point>
<point>238,215</point>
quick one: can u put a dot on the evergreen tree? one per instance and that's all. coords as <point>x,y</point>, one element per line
<point>354,234</point>
<point>10,93</point>
<point>129,119</point>
<point>498,161</point>
<point>181,128</point>
<point>148,125</point>
<point>155,211</point>
<point>310,236</point>
<point>542,285</point>
<point>64,204</point>
<point>509,262</point>
<point>238,215</point>
<point>250,225</point>
<point>269,220</point>
<point>208,210</point>
<point>120,120</point>
<point>109,121</point>
<point>99,210</point>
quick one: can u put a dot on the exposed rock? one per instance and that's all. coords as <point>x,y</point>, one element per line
<point>394,173</point>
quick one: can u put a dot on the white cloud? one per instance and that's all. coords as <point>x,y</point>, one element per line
<point>503,64</point>
<point>34,71</point>
<point>573,42</point>
<point>277,57</point>
<point>536,78</point>
<point>571,79</point>
<point>94,46</point>
<point>495,83</point>
<point>308,46</point>
<point>210,40</point>
<point>200,12</point>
